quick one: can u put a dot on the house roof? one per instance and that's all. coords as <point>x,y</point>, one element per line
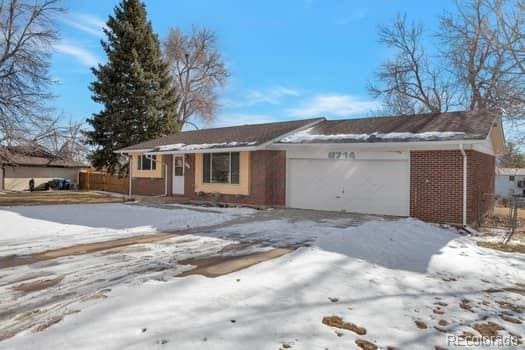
<point>228,137</point>
<point>35,156</point>
<point>421,127</point>
<point>510,171</point>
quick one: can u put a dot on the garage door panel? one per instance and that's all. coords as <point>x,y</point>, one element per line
<point>361,186</point>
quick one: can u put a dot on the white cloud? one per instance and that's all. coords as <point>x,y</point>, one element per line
<point>79,53</point>
<point>355,15</point>
<point>86,23</point>
<point>273,95</point>
<point>229,119</point>
<point>334,105</point>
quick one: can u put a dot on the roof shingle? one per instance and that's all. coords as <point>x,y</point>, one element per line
<point>422,127</point>
<point>227,137</point>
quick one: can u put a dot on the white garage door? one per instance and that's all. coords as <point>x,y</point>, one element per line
<point>359,186</point>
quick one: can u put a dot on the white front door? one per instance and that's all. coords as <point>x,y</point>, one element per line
<point>178,174</point>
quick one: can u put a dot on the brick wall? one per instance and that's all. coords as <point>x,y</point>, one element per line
<point>481,182</point>
<point>436,185</point>
<point>267,181</point>
<point>145,186</point>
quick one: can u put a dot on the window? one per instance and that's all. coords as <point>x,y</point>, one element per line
<point>511,178</point>
<point>179,166</point>
<point>147,162</point>
<point>221,168</point>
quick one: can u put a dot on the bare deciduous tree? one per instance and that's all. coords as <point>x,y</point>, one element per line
<point>486,73</point>
<point>410,83</point>
<point>27,33</point>
<point>511,21</point>
<point>198,69</point>
<point>66,142</point>
<point>477,64</point>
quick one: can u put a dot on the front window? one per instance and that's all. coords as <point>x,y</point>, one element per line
<point>220,168</point>
<point>511,178</point>
<point>147,162</point>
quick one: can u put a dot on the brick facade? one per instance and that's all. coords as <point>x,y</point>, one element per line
<point>267,181</point>
<point>436,185</point>
<point>143,186</point>
<point>481,185</point>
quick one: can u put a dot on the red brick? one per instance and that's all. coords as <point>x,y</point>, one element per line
<point>267,181</point>
<point>153,186</point>
<point>436,185</point>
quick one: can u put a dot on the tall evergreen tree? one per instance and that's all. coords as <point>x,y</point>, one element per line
<point>134,87</point>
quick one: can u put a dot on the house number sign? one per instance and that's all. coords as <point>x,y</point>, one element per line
<point>341,155</point>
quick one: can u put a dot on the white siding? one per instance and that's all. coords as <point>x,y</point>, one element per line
<point>17,178</point>
<point>506,188</point>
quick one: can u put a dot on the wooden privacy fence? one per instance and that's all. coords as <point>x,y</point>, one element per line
<point>101,181</point>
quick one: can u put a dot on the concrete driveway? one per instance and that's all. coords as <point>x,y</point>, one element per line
<point>97,249</point>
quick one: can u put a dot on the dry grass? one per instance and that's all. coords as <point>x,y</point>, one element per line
<point>83,248</point>
<point>489,329</point>
<point>365,344</point>
<point>337,322</point>
<point>420,324</point>
<point>510,319</point>
<point>510,306</point>
<point>465,305</point>
<point>504,212</point>
<point>37,285</point>
<point>509,247</point>
<point>58,197</point>
<point>216,266</point>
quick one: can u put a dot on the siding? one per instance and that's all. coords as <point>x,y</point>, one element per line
<point>17,178</point>
<point>154,185</point>
<point>266,181</point>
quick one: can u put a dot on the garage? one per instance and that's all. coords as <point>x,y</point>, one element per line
<point>372,184</point>
<point>23,163</point>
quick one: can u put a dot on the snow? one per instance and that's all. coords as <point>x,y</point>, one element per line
<point>308,135</point>
<point>194,147</point>
<point>385,273</point>
<point>38,228</point>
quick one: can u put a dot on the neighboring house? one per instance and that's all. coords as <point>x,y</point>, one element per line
<point>403,165</point>
<point>19,165</point>
<point>510,182</point>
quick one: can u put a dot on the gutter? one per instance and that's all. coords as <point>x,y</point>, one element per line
<point>206,150</point>
<point>415,145</point>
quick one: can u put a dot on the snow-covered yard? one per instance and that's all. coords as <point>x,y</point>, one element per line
<point>403,283</point>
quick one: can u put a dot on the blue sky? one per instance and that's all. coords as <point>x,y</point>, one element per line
<point>288,59</point>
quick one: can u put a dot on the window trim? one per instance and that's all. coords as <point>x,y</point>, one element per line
<point>152,159</point>
<point>229,169</point>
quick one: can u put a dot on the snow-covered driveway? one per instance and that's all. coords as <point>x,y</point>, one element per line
<point>402,283</point>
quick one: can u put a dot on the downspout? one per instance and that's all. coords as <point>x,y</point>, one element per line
<point>165,180</point>
<point>465,188</point>
<point>129,174</point>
